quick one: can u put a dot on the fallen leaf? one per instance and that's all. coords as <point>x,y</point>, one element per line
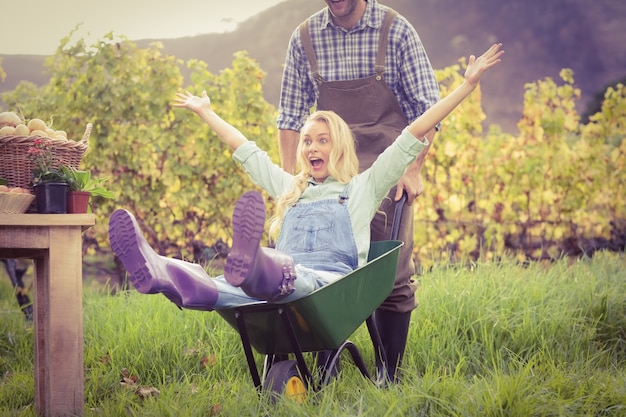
<point>208,360</point>
<point>147,392</point>
<point>215,410</point>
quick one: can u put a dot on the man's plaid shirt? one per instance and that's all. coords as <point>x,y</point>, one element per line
<point>347,55</point>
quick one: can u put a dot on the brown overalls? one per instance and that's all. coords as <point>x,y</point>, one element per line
<point>371,109</point>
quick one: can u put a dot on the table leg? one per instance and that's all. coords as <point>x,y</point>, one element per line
<point>59,384</point>
<point>39,309</point>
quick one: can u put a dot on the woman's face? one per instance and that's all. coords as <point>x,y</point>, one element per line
<point>315,147</point>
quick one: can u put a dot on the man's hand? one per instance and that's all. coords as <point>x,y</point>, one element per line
<point>411,182</point>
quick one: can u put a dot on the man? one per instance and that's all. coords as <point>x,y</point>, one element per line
<point>367,63</point>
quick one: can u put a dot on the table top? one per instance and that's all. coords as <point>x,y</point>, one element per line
<point>47,219</point>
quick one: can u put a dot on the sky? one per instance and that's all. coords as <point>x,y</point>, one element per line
<point>37,26</point>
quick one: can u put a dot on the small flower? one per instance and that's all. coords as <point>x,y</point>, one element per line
<point>45,164</point>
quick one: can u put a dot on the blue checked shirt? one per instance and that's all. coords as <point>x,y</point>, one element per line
<point>351,54</point>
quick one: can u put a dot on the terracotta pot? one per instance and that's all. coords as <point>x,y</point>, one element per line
<point>51,197</point>
<point>78,201</point>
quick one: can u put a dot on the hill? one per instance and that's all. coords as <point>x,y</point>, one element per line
<point>540,37</point>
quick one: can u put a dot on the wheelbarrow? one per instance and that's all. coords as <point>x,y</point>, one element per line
<point>320,322</point>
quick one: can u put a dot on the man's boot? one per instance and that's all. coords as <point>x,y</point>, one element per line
<point>184,283</point>
<point>263,273</point>
<point>393,328</point>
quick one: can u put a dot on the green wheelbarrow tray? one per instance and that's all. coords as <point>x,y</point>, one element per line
<point>319,322</point>
<point>324,319</point>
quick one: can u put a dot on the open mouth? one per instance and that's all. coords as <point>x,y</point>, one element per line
<point>316,163</point>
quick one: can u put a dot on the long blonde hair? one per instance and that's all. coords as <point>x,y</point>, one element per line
<point>342,166</point>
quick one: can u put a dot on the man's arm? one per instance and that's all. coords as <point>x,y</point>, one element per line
<point>412,181</point>
<point>287,146</point>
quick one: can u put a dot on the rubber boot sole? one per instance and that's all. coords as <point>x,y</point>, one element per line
<point>125,243</point>
<point>248,226</point>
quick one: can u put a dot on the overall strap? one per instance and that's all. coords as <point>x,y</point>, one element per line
<point>379,69</point>
<point>307,44</point>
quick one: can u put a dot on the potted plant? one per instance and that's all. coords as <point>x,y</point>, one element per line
<point>49,181</point>
<point>82,186</point>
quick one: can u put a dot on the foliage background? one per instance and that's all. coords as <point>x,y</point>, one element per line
<point>167,167</point>
<point>555,188</point>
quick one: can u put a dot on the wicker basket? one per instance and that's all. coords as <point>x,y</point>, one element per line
<point>15,203</point>
<point>18,170</point>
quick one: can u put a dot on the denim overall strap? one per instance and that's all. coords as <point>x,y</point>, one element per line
<point>318,235</point>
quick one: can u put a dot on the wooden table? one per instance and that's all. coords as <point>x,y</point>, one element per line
<point>54,241</point>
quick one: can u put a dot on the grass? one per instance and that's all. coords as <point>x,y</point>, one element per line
<point>491,340</point>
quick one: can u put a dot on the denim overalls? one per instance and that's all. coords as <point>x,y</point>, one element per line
<point>318,235</point>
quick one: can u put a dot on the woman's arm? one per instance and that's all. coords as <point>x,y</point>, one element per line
<point>437,112</point>
<point>202,107</point>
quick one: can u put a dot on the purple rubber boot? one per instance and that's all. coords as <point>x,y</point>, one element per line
<point>184,283</point>
<point>263,273</point>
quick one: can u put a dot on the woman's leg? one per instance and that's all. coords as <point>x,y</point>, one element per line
<point>184,283</point>
<point>262,273</point>
<point>252,273</point>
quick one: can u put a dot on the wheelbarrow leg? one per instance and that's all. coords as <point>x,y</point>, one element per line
<point>323,365</point>
<point>247,348</point>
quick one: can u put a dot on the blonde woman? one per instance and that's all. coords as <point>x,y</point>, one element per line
<point>323,212</point>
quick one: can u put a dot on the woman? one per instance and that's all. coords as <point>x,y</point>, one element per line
<point>322,218</point>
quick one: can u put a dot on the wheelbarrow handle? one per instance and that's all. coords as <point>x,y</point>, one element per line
<point>397,216</point>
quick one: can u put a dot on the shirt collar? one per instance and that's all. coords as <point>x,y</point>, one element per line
<point>371,17</point>
<point>311,181</point>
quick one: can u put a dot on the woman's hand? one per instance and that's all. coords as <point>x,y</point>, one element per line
<point>477,66</point>
<point>191,102</point>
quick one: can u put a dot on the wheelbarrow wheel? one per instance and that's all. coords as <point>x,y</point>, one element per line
<point>283,379</point>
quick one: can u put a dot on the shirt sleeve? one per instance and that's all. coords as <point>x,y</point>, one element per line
<point>392,163</point>
<point>262,171</point>
<point>418,86</point>
<point>297,94</point>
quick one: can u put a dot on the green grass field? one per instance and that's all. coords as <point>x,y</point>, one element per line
<point>491,340</point>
